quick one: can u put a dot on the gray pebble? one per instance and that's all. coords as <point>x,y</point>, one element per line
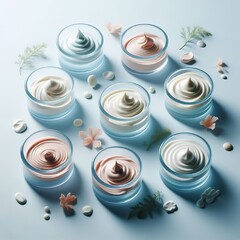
<point>46,216</point>
<point>20,198</point>
<point>87,210</point>
<point>223,76</point>
<point>201,44</point>
<point>47,209</point>
<point>228,146</point>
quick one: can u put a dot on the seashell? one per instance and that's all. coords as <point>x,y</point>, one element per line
<point>187,57</point>
<point>201,44</point>
<point>170,206</point>
<point>108,75</point>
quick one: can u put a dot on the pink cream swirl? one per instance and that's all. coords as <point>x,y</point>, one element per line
<point>117,170</point>
<point>48,154</point>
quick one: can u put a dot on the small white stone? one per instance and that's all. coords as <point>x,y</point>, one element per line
<point>47,209</point>
<point>201,44</point>
<point>228,146</point>
<point>170,206</point>
<point>78,122</point>
<point>87,210</point>
<point>19,126</point>
<point>46,216</point>
<point>108,75</point>
<point>187,57</point>
<point>20,198</point>
<point>92,81</point>
<point>223,76</point>
<point>87,95</point>
<point>152,90</point>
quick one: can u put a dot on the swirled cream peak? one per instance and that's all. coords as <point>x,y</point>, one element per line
<point>50,88</point>
<point>117,170</point>
<point>189,87</point>
<point>144,45</point>
<point>184,156</point>
<point>79,43</point>
<point>124,103</point>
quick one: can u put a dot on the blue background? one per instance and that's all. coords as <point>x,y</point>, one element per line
<point>24,23</point>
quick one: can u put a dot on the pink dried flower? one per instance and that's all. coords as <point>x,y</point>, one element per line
<point>91,138</point>
<point>220,63</point>
<point>114,28</point>
<point>66,202</point>
<point>209,122</point>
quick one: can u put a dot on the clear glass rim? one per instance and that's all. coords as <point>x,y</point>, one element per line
<point>75,24</point>
<point>185,175</point>
<point>48,102</point>
<point>67,162</point>
<point>136,179</point>
<point>147,57</point>
<point>119,118</point>
<point>179,71</point>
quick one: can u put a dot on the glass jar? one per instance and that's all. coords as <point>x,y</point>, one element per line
<point>188,93</point>
<point>116,175</point>
<point>47,159</point>
<point>50,93</point>
<point>80,48</point>
<point>124,109</point>
<point>185,161</point>
<point>144,48</point>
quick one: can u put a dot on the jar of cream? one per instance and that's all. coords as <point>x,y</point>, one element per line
<point>124,109</point>
<point>188,93</point>
<point>47,159</point>
<point>50,93</point>
<point>185,160</point>
<point>144,48</point>
<point>116,175</point>
<point>80,48</point>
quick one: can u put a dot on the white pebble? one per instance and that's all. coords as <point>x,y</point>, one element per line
<point>228,146</point>
<point>20,198</point>
<point>19,126</point>
<point>87,210</point>
<point>46,216</point>
<point>187,57</point>
<point>152,90</point>
<point>87,95</point>
<point>170,206</point>
<point>78,122</point>
<point>201,44</point>
<point>47,209</point>
<point>223,76</point>
<point>108,75</point>
<point>92,81</point>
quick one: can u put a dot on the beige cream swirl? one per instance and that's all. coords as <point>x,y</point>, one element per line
<point>189,87</point>
<point>124,103</point>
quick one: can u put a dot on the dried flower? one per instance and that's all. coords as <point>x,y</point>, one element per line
<point>91,139</point>
<point>209,122</point>
<point>114,28</point>
<point>66,202</point>
<point>220,63</point>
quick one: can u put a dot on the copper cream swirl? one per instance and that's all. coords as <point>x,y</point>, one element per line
<point>48,153</point>
<point>117,170</point>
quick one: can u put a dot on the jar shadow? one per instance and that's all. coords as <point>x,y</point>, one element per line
<point>65,122</point>
<point>158,77</point>
<point>143,139</point>
<point>73,185</point>
<point>106,65</point>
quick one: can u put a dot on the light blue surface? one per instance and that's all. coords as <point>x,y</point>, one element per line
<point>24,23</point>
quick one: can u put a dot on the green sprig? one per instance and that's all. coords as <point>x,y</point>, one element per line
<point>29,54</point>
<point>156,137</point>
<point>149,204</point>
<point>195,33</point>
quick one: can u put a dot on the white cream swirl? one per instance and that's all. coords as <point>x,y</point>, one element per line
<point>50,88</point>
<point>124,103</point>
<point>144,45</point>
<point>79,44</point>
<point>189,87</point>
<point>184,156</point>
<point>115,171</point>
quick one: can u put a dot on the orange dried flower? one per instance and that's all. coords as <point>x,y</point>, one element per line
<point>114,28</point>
<point>66,202</point>
<point>209,122</point>
<point>91,138</point>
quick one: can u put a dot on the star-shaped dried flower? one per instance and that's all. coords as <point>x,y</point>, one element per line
<point>114,28</point>
<point>91,139</point>
<point>209,122</point>
<point>66,202</point>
